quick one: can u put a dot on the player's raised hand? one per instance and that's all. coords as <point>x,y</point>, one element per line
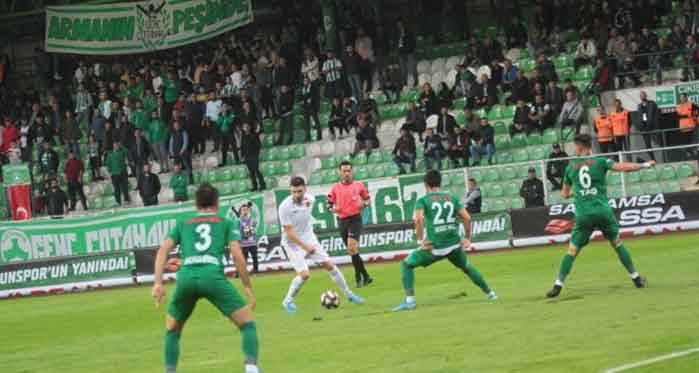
<point>158,294</point>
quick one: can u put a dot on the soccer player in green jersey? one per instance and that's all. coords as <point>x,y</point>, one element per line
<point>585,178</point>
<point>203,240</point>
<point>437,233</point>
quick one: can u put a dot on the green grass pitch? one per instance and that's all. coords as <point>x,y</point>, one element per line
<point>599,322</point>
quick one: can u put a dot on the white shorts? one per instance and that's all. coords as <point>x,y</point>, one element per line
<point>298,257</point>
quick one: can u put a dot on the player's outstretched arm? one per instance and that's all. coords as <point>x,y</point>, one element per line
<point>241,266</point>
<point>160,259</point>
<point>630,166</point>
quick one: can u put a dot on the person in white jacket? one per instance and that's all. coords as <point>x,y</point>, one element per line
<point>586,52</point>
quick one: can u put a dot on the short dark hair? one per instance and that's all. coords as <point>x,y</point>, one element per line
<point>433,179</point>
<point>297,181</point>
<point>346,162</point>
<point>472,180</point>
<point>583,140</point>
<point>206,196</point>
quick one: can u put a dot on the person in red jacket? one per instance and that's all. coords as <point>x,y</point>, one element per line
<point>10,134</point>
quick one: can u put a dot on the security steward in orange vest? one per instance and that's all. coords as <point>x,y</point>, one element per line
<point>686,112</point>
<point>603,128</point>
<point>620,126</point>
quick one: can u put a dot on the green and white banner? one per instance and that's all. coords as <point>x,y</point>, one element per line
<point>140,27</point>
<point>107,232</point>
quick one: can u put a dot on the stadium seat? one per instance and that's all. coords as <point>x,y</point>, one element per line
<point>409,96</point>
<point>392,169</point>
<point>459,104</point>
<point>500,205</point>
<point>268,168</point>
<point>361,173</point>
<point>500,128</point>
<point>668,173</point>
<point>534,139</point>
<point>509,112</point>
<point>457,178</point>
<point>446,180</point>
<point>563,61</point>
<point>670,186</point>
<point>491,175</point>
<point>495,113</point>
<point>109,202</point>
<point>551,136</point>
<point>503,157</point>
<point>649,175</point>
<point>502,142</point>
<point>298,151</point>
<point>476,174</point>
<point>329,162</point>
<point>651,188</point>
<point>485,205</point>
<point>227,188</point>
<point>97,203</point>
<point>519,141</point>
<point>538,152</point>
<point>329,176</point>
<point>565,73</point>
<point>375,158</point>
<point>376,170</point>
<point>283,153</point>
<point>520,155</point>
<point>495,191</point>
<point>523,171</point>
<point>614,192</point>
<point>227,174</point>
<point>240,172</point>
<point>283,168</point>
<point>613,178</point>
<point>108,190</point>
<point>516,203</point>
<point>584,73</point>
<point>360,159</point>
<point>632,177</point>
<point>634,190</point>
<point>508,173</point>
<point>685,170</point>
<point>511,188</point>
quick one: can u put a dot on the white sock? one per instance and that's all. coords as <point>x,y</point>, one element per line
<point>634,275</point>
<point>294,288</point>
<point>410,299</point>
<point>339,280</point>
<point>249,368</point>
<point>559,282</point>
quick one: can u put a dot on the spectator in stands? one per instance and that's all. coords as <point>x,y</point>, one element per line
<point>457,150</point>
<point>27,136</point>
<point>404,152</point>
<point>48,161</point>
<point>570,87</point>
<point>311,106</point>
<point>446,123</point>
<point>532,190</point>
<point>649,115</point>
<point>116,166</point>
<point>691,59</point>
<point>509,75</point>
<point>332,70</point>
<point>556,169</point>
<point>351,62</point>
<point>286,114</point>
<point>179,183</point>
<point>310,68</point>
<point>393,84</point>
<point>554,97</point>
<point>540,116</point>
<point>159,141</point>
<point>56,200</point>
<point>677,38</point>
<point>483,143</point>
<point>429,104</point>
<point>250,147</point>
<point>415,120</point>
<point>585,53</point>
<point>406,53</point>
<point>521,117</point>
<point>337,119</point>
<point>471,121</point>
<point>473,199</point>
<point>349,113</point>
<point>148,186</point>
<point>483,93</point>
<point>603,129</point>
<point>95,157</point>
<point>602,80</point>
<point>620,126</point>
<point>44,130</point>
<point>520,88</point>
<point>179,148</point>
<point>139,153</point>
<point>491,51</point>
<point>366,137</point>
<point>446,95</point>
<point>517,128</point>
<point>433,148</point>
<point>546,69</point>
<point>363,46</point>
<point>73,172</point>
<point>224,126</point>
<point>572,112</point>
<point>516,34</point>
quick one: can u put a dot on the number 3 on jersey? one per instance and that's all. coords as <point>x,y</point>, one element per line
<point>204,232</point>
<point>438,219</point>
<point>586,182</point>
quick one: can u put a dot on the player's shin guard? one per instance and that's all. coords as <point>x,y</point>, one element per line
<point>407,275</point>
<point>172,350</point>
<point>339,280</point>
<point>625,259</point>
<point>477,278</point>
<point>250,345</point>
<point>566,266</point>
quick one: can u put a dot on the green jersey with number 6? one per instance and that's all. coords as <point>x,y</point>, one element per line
<point>441,211</point>
<point>204,239</point>
<point>588,177</point>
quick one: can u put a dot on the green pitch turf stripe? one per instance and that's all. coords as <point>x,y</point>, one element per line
<point>653,360</point>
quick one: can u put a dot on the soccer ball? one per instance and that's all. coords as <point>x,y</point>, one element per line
<point>330,300</point>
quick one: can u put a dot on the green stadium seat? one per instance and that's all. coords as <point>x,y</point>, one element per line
<point>459,104</point>
<point>410,96</point>
<point>485,206</point>
<point>360,159</point>
<point>503,157</point>
<point>227,188</point>
<point>97,203</point>
<point>271,181</point>
<point>613,178</point>
<point>508,173</point>
<point>268,168</point>
<point>283,168</point>
<point>227,174</point>
<point>615,192</point>
<point>520,155</point>
<point>457,178</point>
<point>197,176</point>
<point>685,170</point>
<point>329,163</point>
<point>500,204</point>
<point>537,153</point>
<point>668,173</point>
<point>500,128</point>
<point>108,190</point>
<point>523,171</point>
<point>649,175</point>
<point>632,177</point>
<point>264,154</point>
<point>240,172</point>
<point>458,190</point>
<point>109,202</point>
<point>476,174</point>
<point>526,65</point>
<point>298,151</point>
<point>516,203</point>
<point>511,188</point>
<point>534,139</point>
<point>551,136</point>
<point>519,141</point>
<point>376,171</point>
<point>670,186</point>
<point>361,173</point>
<point>240,186</point>
<point>495,190</point>
<point>283,153</point>
<point>460,117</point>
<point>375,158</point>
<point>502,142</point>
<point>652,188</point>
<point>565,73</point>
<point>387,155</point>
<point>634,190</point>
<point>491,175</point>
<point>509,112</point>
<point>446,180</point>
<point>567,134</point>
<point>329,176</point>
<point>584,73</point>
<point>495,113</point>
<point>380,99</point>
<point>563,61</point>
<point>392,169</point>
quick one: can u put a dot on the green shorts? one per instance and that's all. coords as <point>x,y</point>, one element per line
<point>193,284</point>
<point>422,258</point>
<point>585,225</point>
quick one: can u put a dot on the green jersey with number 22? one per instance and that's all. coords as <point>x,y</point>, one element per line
<point>441,211</point>
<point>588,177</point>
<point>204,239</point>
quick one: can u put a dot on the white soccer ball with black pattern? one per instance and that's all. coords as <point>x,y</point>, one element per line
<point>330,299</point>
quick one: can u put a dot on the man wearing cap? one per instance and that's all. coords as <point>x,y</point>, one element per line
<point>532,190</point>
<point>555,169</point>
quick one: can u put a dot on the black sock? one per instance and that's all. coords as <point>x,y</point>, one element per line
<point>360,266</point>
<point>356,263</point>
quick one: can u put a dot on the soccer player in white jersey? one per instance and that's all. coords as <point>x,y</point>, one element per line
<point>301,244</point>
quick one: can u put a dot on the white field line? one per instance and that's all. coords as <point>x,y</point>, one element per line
<point>654,360</point>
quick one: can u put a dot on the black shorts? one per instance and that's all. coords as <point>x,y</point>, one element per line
<point>351,227</point>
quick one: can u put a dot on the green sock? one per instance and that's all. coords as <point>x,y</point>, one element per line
<point>250,343</point>
<point>566,265</point>
<point>407,276</point>
<point>172,348</point>
<point>625,259</point>
<point>477,278</point>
